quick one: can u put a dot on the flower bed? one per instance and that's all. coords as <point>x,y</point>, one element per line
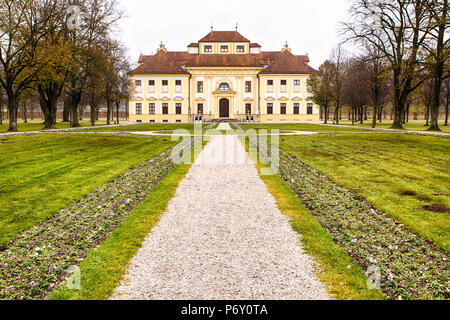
<point>35,262</point>
<point>410,267</point>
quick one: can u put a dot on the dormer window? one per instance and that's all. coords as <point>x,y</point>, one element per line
<point>240,49</point>
<point>208,48</point>
<point>224,49</point>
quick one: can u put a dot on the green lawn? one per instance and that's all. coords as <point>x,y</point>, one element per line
<point>381,168</point>
<point>43,174</point>
<point>413,125</point>
<point>36,125</point>
<point>169,127</point>
<point>297,127</point>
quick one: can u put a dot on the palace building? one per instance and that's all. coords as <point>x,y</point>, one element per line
<point>224,76</point>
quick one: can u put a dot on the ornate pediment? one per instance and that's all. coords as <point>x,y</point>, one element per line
<point>165,98</point>
<point>283,99</point>
<point>178,98</point>
<point>269,98</point>
<point>224,86</point>
<point>296,98</point>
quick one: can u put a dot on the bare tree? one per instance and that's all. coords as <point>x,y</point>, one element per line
<point>439,54</point>
<point>355,88</point>
<point>319,84</point>
<point>399,29</point>
<point>338,58</point>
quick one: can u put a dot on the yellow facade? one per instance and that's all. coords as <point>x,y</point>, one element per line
<point>214,91</point>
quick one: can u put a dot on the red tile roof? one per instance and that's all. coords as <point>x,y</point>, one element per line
<point>193,45</point>
<point>287,63</point>
<point>224,36</point>
<point>160,63</point>
<point>223,60</point>
<point>254,45</point>
<point>170,62</point>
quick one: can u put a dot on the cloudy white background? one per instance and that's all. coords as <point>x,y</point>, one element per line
<point>309,26</point>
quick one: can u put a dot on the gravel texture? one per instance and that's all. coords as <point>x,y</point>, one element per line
<point>222,237</point>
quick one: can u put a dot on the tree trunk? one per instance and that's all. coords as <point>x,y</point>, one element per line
<point>13,106</point>
<point>108,112</point>
<point>399,107</point>
<point>375,117</point>
<point>74,101</point>
<point>24,112</point>
<point>446,114</point>
<point>326,114</point>
<point>49,95</point>
<point>117,111</point>
<point>66,110</point>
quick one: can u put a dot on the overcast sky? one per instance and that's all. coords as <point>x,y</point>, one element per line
<point>309,26</point>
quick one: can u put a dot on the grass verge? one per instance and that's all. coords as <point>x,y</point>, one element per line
<point>42,174</point>
<point>104,267</point>
<point>404,176</point>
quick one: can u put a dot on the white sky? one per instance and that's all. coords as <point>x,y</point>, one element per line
<point>309,26</point>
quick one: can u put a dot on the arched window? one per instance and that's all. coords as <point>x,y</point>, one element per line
<point>224,87</point>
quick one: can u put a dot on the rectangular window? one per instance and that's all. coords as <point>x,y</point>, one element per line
<point>240,49</point>
<point>309,108</point>
<point>224,49</point>
<point>283,108</point>
<point>151,108</point>
<point>138,84</point>
<point>283,87</point>
<point>165,108</point>
<point>270,108</point>
<point>200,108</point>
<point>208,48</point>
<point>165,86</point>
<point>178,108</point>
<point>248,109</point>
<point>248,86</point>
<point>151,121</point>
<point>178,87</point>
<point>200,86</point>
<point>138,108</point>
<point>269,85</point>
<point>151,86</point>
<point>296,108</point>
<point>296,85</point>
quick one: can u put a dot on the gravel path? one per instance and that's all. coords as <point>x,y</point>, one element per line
<point>222,237</point>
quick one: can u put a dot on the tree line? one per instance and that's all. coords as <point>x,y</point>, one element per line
<point>402,61</point>
<point>55,48</point>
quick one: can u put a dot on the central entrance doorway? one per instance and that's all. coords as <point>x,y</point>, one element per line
<point>224,108</point>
